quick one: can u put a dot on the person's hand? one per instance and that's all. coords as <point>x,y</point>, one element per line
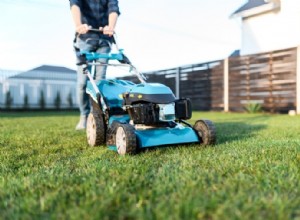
<point>107,30</point>
<point>83,28</point>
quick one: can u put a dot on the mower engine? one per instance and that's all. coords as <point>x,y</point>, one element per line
<point>155,104</point>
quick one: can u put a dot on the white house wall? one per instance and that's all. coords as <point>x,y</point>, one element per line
<point>273,30</point>
<point>32,88</point>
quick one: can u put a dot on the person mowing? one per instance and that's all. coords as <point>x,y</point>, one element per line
<point>88,14</point>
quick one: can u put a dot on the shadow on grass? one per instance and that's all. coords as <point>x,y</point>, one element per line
<point>233,131</point>
<point>239,126</point>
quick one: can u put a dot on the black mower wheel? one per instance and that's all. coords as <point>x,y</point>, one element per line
<point>125,139</point>
<point>206,132</point>
<point>95,129</point>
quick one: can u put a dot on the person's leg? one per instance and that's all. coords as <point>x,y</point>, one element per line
<point>101,70</point>
<point>82,97</point>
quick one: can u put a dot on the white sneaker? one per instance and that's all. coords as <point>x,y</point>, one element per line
<point>82,123</point>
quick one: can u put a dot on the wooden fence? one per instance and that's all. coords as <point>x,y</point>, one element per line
<point>269,79</point>
<point>202,83</point>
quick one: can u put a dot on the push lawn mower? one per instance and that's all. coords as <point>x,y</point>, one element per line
<point>128,117</point>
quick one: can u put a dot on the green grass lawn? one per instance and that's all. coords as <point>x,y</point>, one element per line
<point>47,171</point>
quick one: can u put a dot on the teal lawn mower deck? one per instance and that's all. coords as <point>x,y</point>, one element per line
<point>128,117</point>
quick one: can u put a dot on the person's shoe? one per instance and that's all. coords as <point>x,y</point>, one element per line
<point>82,123</point>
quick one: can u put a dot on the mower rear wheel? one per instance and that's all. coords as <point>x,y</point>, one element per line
<point>206,132</point>
<point>126,139</point>
<point>95,129</point>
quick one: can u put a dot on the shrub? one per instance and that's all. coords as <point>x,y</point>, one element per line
<point>26,102</point>
<point>253,107</point>
<point>42,101</point>
<point>70,100</point>
<point>57,100</point>
<point>8,100</point>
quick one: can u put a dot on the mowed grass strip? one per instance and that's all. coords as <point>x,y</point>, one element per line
<point>47,171</point>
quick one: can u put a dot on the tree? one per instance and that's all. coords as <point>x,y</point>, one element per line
<point>26,102</point>
<point>8,100</point>
<point>70,100</point>
<point>57,100</point>
<point>42,101</point>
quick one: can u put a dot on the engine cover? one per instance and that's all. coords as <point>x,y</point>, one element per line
<point>149,93</point>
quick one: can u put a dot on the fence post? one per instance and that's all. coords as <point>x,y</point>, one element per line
<point>298,81</point>
<point>226,85</point>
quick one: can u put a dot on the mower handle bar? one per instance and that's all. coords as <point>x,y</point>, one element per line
<point>113,37</point>
<point>140,76</point>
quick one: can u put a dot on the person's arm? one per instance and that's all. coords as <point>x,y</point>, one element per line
<point>76,14</point>
<point>113,11</point>
<point>112,21</point>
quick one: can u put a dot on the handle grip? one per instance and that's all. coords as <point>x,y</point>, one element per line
<point>101,32</point>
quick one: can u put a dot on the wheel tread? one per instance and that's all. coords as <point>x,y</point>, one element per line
<point>208,129</point>
<point>100,127</point>
<point>131,141</point>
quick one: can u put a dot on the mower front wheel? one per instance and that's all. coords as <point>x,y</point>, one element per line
<point>95,129</point>
<point>126,139</point>
<point>206,132</point>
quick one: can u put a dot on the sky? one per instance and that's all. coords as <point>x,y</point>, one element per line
<point>155,34</point>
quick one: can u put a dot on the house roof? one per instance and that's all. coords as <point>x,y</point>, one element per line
<point>250,4</point>
<point>53,69</point>
<point>47,72</point>
<point>254,7</point>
